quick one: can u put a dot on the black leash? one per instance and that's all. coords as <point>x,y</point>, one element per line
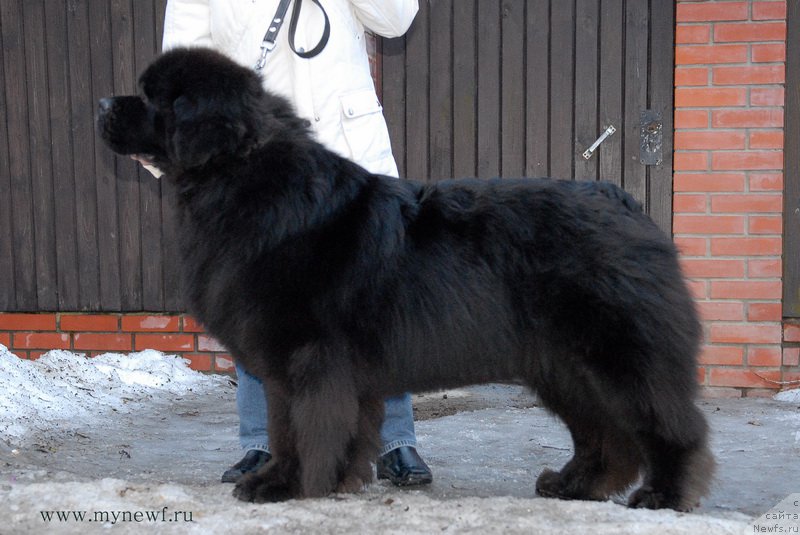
<point>268,43</point>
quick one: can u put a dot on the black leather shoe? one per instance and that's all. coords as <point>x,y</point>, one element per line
<point>404,467</point>
<point>252,461</point>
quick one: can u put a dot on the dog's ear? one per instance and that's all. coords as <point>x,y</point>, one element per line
<point>204,131</point>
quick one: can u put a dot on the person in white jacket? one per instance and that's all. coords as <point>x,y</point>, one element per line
<point>334,90</point>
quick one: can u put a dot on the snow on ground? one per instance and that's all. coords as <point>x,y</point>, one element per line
<point>212,510</point>
<point>790,396</point>
<point>78,400</point>
<point>62,389</point>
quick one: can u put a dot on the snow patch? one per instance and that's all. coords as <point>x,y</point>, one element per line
<point>790,396</point>
<point>63,390</point>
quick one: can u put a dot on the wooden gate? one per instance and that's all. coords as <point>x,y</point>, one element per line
<point>477,88</point>
<point>79,228</point>
<point>523,87</point>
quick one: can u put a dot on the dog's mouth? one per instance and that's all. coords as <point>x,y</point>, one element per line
<point>144,159</point>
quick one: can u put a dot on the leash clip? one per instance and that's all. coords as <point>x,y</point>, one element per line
<point>266,48</point>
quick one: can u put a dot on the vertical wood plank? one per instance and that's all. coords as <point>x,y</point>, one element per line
<point>562,88</point>
<point>7,298</point>
<point>82,108</point>
<point>465,78</point>
<point>441,91</point>
<point>393,75</point>
<point>122,37</point>
<point>41,164</point>
<point>512,58</point>
<point>375,67</point>
<point>636,76</point>
<point>160,7</point>
<point>105,172</point>
<point>537,94</point>
<point>22,219</point>
<point>587,130</point>
<point>791,196</point>
<point>173,285</point>
<point>417,95</point>
<point>661,84</point>
<point>489,77</point>
<point>171,265</point>
<point>145,45</point>
<point>66,253</point>
<point>609,154</point>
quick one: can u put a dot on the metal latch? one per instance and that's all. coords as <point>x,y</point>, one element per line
<point>651,128</point>
<point>588,152</point>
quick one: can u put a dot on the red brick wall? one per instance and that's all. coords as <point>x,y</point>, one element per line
<point>729,95</point>
<point>31,335</point>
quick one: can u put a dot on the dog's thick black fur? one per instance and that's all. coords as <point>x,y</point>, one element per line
<point>339,288</point>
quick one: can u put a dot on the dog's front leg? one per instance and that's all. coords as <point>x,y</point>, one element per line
<point>278,480</point>
<point>323,412</point>
<point>365,447</point>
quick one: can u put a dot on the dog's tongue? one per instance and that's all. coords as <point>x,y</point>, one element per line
<point>147,164</point>
<point>155,171</point>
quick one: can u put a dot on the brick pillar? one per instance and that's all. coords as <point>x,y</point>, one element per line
<point>729,97</point>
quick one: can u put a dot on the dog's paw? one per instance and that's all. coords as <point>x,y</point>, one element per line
<point>648,498</point>
<point>568,485</point>
<point>549,485</point>
<point>256,488</point>
<point>350,485</point>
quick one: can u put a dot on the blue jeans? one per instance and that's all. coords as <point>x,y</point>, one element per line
<point>397,429</point>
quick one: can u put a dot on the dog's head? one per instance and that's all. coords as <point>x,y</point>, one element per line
<point>196,106</point>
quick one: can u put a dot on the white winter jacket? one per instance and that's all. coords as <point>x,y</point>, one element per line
<point>333,90</point>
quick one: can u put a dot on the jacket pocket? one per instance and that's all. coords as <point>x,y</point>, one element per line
<point>365,127</point>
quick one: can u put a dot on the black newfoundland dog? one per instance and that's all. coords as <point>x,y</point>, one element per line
<point>339,288</point>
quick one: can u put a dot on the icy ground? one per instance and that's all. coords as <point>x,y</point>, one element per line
<point>136,443</point>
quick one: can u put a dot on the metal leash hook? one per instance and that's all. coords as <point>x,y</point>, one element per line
<point>266,48</point>
<point>268,43</point>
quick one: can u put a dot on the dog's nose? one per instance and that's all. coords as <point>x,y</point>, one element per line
<point>105,104</point>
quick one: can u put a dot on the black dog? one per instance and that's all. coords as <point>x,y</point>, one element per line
<point>339,288</point>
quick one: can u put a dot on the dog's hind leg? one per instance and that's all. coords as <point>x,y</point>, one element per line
<point>655,404</point>
<point>679,463</point>
<point>635,423</point>
<point>578,478</point>
<point>606,461</point>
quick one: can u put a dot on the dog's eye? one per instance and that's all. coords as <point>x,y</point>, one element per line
<point>184,107</point>
<point>156,104</point>
<point>149,102</point>
<point>152,113</point>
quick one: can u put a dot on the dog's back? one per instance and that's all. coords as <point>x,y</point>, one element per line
<point>488,267</point>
